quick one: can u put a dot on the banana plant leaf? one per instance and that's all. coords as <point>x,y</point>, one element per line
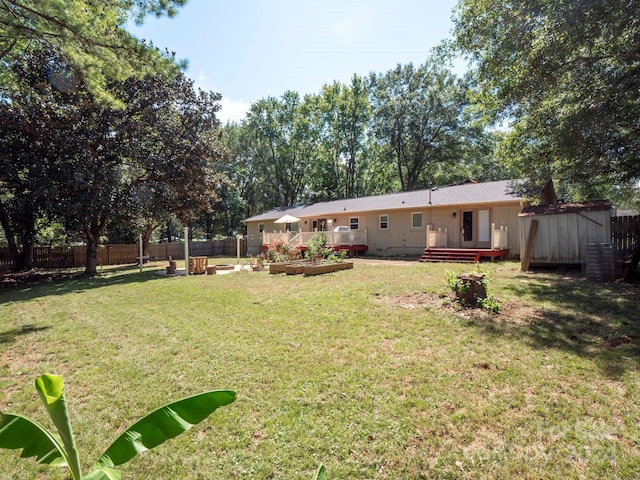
<point>18,432</point>
<point>103,473</point>
<point>321,474</point>
<point>163,424</point>
<point>51,390</point>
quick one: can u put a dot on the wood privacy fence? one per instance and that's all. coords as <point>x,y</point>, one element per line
<point>625,234</point>
<point>70,257</point>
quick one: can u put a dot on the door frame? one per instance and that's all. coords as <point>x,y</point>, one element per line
<point>472,217</point>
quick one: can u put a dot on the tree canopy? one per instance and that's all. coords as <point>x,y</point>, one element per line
<point>89,34</point>
<point>565,76</point>
<point>70,158</point>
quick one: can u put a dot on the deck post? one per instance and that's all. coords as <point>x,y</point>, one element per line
<point>428,230</point>
<point>493,236</point>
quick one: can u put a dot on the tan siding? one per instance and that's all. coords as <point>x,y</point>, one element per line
<point>401,238</point>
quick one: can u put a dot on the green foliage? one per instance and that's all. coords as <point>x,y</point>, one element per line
<point>317,250</point>
<point>419,112</point>
<point>90,36</point>
<point>563,75</point>
<point>321,473</point>
<point>317,246</point>
<point>281,148</point>
<point>17,432</point>
<point>462,286</point>
<point>282,252</point>
<point>157,157</point>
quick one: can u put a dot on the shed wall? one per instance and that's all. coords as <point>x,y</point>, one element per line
<point>561,238</point>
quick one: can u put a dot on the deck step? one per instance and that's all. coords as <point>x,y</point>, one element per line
<point>452,255</point>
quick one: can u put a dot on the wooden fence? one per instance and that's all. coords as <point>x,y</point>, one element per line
<point>70,257</point>
<point>625,234</point>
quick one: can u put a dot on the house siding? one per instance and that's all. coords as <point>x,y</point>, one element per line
<point>444,210</point>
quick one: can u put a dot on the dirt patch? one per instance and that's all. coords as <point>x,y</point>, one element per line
<point>621,340</point>
<point>510,311</point>
<point>400,262</point>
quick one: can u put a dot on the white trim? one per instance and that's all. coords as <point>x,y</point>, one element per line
<point>380,227</point>
<point>412,226</point>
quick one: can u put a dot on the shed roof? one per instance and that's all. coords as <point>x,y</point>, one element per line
<point>562,208</point>
<point>501,191</point>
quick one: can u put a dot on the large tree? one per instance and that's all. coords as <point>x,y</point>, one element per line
<point>565,76</point>
<point>85,162</point>
<point>29,149</point>
<point>173,152</point>
<point>419,114</point>
<point>281,148</point>
<point>340,116</point>
<point>89,34</point>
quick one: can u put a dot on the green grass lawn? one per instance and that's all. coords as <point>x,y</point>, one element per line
<point>372,372</point>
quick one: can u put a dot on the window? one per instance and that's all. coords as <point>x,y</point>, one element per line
<point>384,222</point>
<point>261,227</point>
<point>353,223</point>
<point>416,220</point>
<point>291,227</point>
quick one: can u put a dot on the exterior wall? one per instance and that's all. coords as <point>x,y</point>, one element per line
<point>561,238</point>
<point>400,238</point>
<point>508,216</point>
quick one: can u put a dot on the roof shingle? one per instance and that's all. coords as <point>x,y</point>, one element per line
<point>470,193</point>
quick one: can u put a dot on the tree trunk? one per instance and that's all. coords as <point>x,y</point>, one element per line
<point>26,256</point>
<point>146,238</point>
<point>631,271</point>
<point>93,234</point>
<point>91,267</point>
<point>9,233</point>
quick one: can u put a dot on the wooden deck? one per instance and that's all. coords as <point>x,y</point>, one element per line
<point>461,255</point>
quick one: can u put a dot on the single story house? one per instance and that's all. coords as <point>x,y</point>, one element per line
<point>467,216</point>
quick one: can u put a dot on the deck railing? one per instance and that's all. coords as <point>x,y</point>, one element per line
<point>300,239</point>
<point>275,237</point>
<point>499,237</point>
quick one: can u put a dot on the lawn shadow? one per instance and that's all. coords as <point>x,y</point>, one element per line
<point>11,335</point>
<point>46,283</point>
<point>569,313</point>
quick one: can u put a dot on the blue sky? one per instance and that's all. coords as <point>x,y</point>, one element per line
<point>248,50</point>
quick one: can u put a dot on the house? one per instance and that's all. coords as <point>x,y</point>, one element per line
<point>472,216</point>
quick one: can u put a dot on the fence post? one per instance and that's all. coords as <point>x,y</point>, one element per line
<point>140,251</point>
<point>186,251</point>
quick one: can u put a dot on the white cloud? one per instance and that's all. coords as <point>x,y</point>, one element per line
<point>232,110</point>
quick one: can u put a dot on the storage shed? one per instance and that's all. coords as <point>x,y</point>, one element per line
<point>556,235</point>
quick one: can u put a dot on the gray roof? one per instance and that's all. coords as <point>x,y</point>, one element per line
<point>469,193</point>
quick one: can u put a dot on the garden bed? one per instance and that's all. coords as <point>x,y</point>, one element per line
<point>322,268</point>
<point>281,267</point>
